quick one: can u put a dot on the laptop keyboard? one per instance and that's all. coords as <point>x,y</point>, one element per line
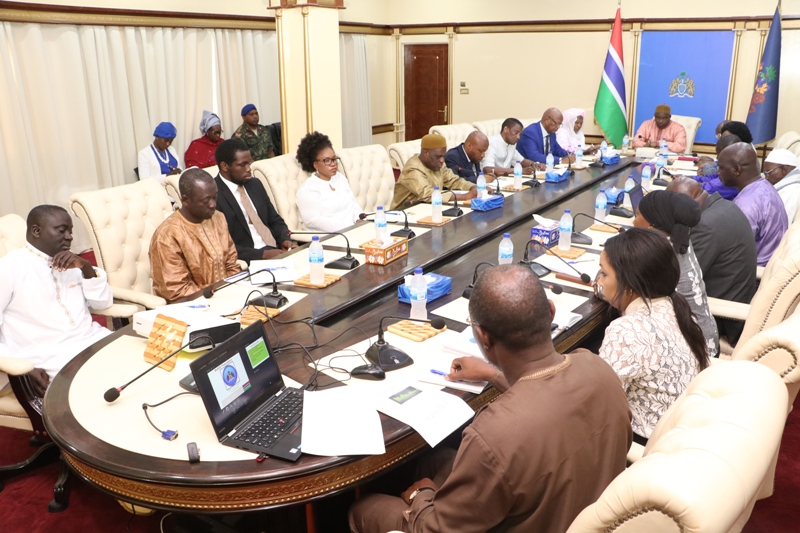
<point>273,422</point>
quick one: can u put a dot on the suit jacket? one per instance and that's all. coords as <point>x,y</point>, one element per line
<point>531,144</point>
<point>456,160</point>
<point>237,222</point>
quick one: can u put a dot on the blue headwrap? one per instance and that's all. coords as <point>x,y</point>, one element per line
<point>165,130</point>
<point>209,119</point>
<point>246,109</point>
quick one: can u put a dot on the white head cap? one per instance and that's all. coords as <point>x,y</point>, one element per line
<point>781,156</point>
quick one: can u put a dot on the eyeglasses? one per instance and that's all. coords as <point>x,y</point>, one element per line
<point>329,161</point>
<point>554,122</point>
<point>766,172</point>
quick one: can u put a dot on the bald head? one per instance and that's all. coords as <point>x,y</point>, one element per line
<point>552,119</point>
<point>690,187</point>
<point>509,303</point>
<point>475,146</point>
<point>726,141</point>
<point>738,165</point>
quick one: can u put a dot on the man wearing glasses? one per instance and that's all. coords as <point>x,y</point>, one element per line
<point>257,230</point>
<point>539,139</point>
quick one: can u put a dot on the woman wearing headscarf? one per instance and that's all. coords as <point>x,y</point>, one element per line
<point>201,151</point>
<point>675,215</point>
<point>159,160</point>
<point>569,135</point>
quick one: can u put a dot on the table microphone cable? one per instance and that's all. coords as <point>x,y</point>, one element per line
<point>169,434</point>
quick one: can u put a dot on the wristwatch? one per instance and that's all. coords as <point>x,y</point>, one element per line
<point>416,492</point>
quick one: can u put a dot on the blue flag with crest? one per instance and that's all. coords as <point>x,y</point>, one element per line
<point>762,117</point>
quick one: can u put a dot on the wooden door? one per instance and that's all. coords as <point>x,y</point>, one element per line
<point>426,84</point>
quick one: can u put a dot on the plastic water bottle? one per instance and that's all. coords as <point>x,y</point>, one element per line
<point>549,161</point>
<point>662,146</point>
<point>518,176</point>
<point>579,156</point>
<point>600,204</point>
<point>316,261</point>
<point>626,142</point>
<point>505,255</point>
<point>661,160</point>
<point>565,231</point>
<point>481,184</point>
<point>629,185</point>
<point>381,227</point>
<point>436,205</point>
<point>603,148</point>
<point>647,173</point>
<point>419,295</point>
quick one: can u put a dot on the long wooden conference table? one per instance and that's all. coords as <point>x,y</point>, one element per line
<point>358,300</point>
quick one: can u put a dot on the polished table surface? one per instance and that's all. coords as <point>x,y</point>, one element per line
<point>359,300</point>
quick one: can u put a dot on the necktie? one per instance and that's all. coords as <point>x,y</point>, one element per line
<point>255,220</point>
<point>547,144</point>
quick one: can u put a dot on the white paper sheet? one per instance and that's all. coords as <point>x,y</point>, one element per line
<point>231,299</point>
<point>339,422</point>
<point>588,263</point>
<point>283,269</point>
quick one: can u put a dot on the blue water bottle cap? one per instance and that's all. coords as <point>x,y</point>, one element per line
<point>418,270</point>
<point>435,187</point>
<point>566,210</point>
<point>506,235</point>
<point>380,208</point>
<point>315,238</point>
<point>603,191</point>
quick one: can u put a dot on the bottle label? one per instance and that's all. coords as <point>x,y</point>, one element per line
<point>316,257</point>
<point>418,295</point>
<point>436,201</point>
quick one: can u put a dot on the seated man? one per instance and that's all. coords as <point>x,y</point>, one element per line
<point>254,224</point>
<point>539,454</point>
<point>423,172</point>
<point>502,154</point>
<point>192,249</point>
<point>725,250</point>
<point>254,135</point>
<point>711,182</point>
<point>661,126</point>
<point>758,200</point>
<point>45,297</point>
<point>780,169</point>
<point>539,139</point>
<point>465,159</point>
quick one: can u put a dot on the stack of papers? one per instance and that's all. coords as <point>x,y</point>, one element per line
<point>283,269</point>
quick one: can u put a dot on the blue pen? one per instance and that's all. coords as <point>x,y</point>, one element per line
<point>438,372</point>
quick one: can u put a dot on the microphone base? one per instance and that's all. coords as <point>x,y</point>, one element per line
<point>453,212</point>
<point>539,270</point>
<point>580,238</point>
<point>621,212</point>
<point>660,182</point>
<point>388,357</point>
<point>467,292</point>
<point>532,183</point>
<point>347,262</point>
<point>408,233</point>
<point>275,301</point>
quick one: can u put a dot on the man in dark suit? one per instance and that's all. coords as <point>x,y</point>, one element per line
<point>257,230</point>
<point>465,159</point>
<point>539,139</point>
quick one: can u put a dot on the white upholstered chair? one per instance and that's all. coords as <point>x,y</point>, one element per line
<point>489,127</point>
<point>121,221</point>
<point>282,176</point>
<point>454,134</point>
<point>691,125</point>
<point>788,140</point>
<point>402,152</point>
<point>171,184</point>
<point>369,174</point>
<point>705,464</point>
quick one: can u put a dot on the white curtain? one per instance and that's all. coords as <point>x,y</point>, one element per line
<point>356,110</point>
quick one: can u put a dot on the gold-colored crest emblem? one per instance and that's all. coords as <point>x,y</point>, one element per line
<point>682,87</point>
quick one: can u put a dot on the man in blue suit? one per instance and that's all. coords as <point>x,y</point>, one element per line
<point>465,159</point>
<point>539,139</point>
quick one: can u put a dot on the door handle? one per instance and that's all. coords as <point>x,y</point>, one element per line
<point>445,113</point>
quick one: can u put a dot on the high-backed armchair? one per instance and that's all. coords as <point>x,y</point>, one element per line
<point>402,152</point>
<point>282,176</point>
<point>706,462</point>
<point>121,221</point>
<point>789,140</point>
<point>369,174</point>
<point>171,184</point>
<point>493,127</point>
<point>454,134</point>
<point>691,125</point>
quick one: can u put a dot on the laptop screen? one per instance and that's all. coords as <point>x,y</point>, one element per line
<point>237,377</point>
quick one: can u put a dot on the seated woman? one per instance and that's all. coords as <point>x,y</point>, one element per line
<point>159,160</point>
<point>570,136</point>
<point>675,214</point>
<point>655,347</point>
<point>325,200</point>
<point>201,150</point>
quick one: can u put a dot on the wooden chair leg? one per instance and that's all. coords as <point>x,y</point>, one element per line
<point>60,499</point>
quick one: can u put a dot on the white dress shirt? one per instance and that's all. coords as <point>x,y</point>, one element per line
<point>327,205</point>
<point>500,154</point>
<point>149,167</point>
<point>258,242</point>
<point>44,313</point>
<point>789,190</point>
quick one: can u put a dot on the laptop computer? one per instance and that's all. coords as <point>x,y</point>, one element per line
<point>246,399</point>
<point>637,193</point>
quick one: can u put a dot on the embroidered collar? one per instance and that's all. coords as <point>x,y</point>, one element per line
<point>38,253</point>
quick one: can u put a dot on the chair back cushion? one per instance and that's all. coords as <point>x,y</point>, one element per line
<point>121,221</point>
<point>691,125</point>
<point>454,134</point>
<point>12,233</point>
<point>493,127</point>
<point>787,140</point>
<point>370,175</point>
<point>282,176</point>
<point>402,152</point>
<point>705,461</point>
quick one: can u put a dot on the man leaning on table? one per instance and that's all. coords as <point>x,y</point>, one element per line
<point>502,154</point>
<point>539,454</point>
<point>424,171</point>
<point>661,126</point>
<point>465,159</point>
<point>539,139</point>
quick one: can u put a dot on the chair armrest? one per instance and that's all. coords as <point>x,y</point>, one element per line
<point>118,310</point>
<point>728,309</point>
<point>635,453</point>
<point>759,272</point>
<point>15,366</point>
<point>149,301</point>
<point>242,264</point>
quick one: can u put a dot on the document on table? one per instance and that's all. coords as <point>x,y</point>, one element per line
<point>339,422</point>
<point>283,269</point>
<point>588,263</point>
<point>432,414</point>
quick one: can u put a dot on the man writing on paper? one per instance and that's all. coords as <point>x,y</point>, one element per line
<point>45,294</point>
<point>539,139</point>
<point>661,126</point>
<point>192,249</point>
<point>465,159</point>
<point>502,154</point>
<point>424,171</point>
<point>538,455</point>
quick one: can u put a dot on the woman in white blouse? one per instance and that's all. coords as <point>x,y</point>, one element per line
<point>655,347</point>
<point>325,200</point>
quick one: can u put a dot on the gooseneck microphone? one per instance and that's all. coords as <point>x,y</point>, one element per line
<point>454,211</point>
<point>585,239</point>
<point>211,291</point>
<point>390,357</point>
<point>580,278</point>
<point>113,393</point>
<point>275,299</point>
<point>468,290</point>
<point>348,262</point>
<point>533,182</point>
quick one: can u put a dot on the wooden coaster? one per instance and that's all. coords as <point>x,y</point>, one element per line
<point>165,337</point>
<point>603,228</point>
<point>253,313</point>
<point>305,281</point>
<point>428,221</point>
<point>572,253</point>
<point>512,189</point>
<point>415,331</point>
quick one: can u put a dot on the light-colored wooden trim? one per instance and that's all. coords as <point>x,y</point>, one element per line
<point>365,29</point>
<point>282,79</point>
<point>737,40</point>
<point>377,129</point>
<point>637,41</point>
<point>307,61</point>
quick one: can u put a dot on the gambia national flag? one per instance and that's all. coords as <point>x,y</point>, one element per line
<point>762,117</point>
<point>610,110</point>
